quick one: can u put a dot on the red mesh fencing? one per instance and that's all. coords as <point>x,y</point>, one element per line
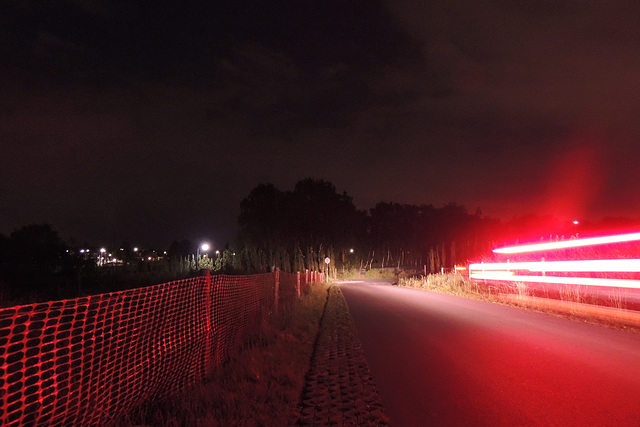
<point>87,361</point>
<point>288,288</point>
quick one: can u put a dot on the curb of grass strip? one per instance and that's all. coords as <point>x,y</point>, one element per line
<point>339,389</point>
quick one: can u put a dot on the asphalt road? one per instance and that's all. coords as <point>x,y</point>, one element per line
<point>444,360</point>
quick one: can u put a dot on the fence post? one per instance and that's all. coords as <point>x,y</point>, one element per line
<point>298,283</point>
<point>207,306</point>
<point>277,273</point>
<point>306,276</point>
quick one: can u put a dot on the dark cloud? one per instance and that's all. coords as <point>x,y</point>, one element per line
<point>152,120</point>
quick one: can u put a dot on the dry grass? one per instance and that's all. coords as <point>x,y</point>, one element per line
<point>260,386</point>
<point>450,283</point>
<point>456,284</point>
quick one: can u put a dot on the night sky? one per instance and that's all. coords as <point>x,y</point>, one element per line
<point>150,121</point>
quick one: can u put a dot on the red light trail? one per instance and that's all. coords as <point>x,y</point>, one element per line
<point>520,271</point>
<point>564,244</point>
<point>589,281</point>
<point>595,265</point>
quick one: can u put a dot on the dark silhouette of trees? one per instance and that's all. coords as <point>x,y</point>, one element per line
<point>37,250</point>
<point>416,236</point>
<point>182,248</point>
<point>322,216</point>
<point>263,218</point>
<point>295,229</point>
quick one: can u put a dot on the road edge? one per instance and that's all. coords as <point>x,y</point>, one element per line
<point>339,388</point>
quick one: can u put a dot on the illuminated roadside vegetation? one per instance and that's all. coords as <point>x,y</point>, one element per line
<point>571,302</point>
<point>260,385</point>
<point>450,283</point>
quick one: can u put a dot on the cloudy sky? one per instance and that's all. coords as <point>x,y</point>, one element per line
<point>149,121</point>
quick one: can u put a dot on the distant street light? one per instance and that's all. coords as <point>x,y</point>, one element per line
<point>205,247</point>
<point>327,260</point>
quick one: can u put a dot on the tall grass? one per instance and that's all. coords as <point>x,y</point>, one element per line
<point>449,283</point>
<point>519,295</point>
<point>259,386</point>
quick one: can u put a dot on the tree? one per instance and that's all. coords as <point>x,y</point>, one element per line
<point>306,219</point>
<point>37,249</point>
<point>322,216</point>
<point>182,248</point>
<point>262,217</point>
<point>4,249</point>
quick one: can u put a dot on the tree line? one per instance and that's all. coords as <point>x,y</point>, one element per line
<point>291,230</point>
<point>297,229</point>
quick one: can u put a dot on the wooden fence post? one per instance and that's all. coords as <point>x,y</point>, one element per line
<point>277,273</point>
<point>208,360</point>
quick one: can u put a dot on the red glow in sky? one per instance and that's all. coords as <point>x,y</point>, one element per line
<point>577,176</point>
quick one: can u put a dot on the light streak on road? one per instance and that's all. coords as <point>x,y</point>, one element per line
<point>513,272</point>
<point>587,266</point>
<point>589,281</point>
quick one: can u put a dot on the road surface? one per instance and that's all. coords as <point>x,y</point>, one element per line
<point>445,360</point>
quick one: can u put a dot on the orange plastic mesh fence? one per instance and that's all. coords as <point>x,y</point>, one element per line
<point>87,361</point>
<point>240,305</point>
<point>288,288</point>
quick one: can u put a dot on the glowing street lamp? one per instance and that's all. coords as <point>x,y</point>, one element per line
<point>205,248</point>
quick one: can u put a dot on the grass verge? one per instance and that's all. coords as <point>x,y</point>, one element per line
<point>259,386</point>
<point>454,284</point>
<point>569,305</point>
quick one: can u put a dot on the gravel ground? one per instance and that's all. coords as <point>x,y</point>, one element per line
<point>339,390</point>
